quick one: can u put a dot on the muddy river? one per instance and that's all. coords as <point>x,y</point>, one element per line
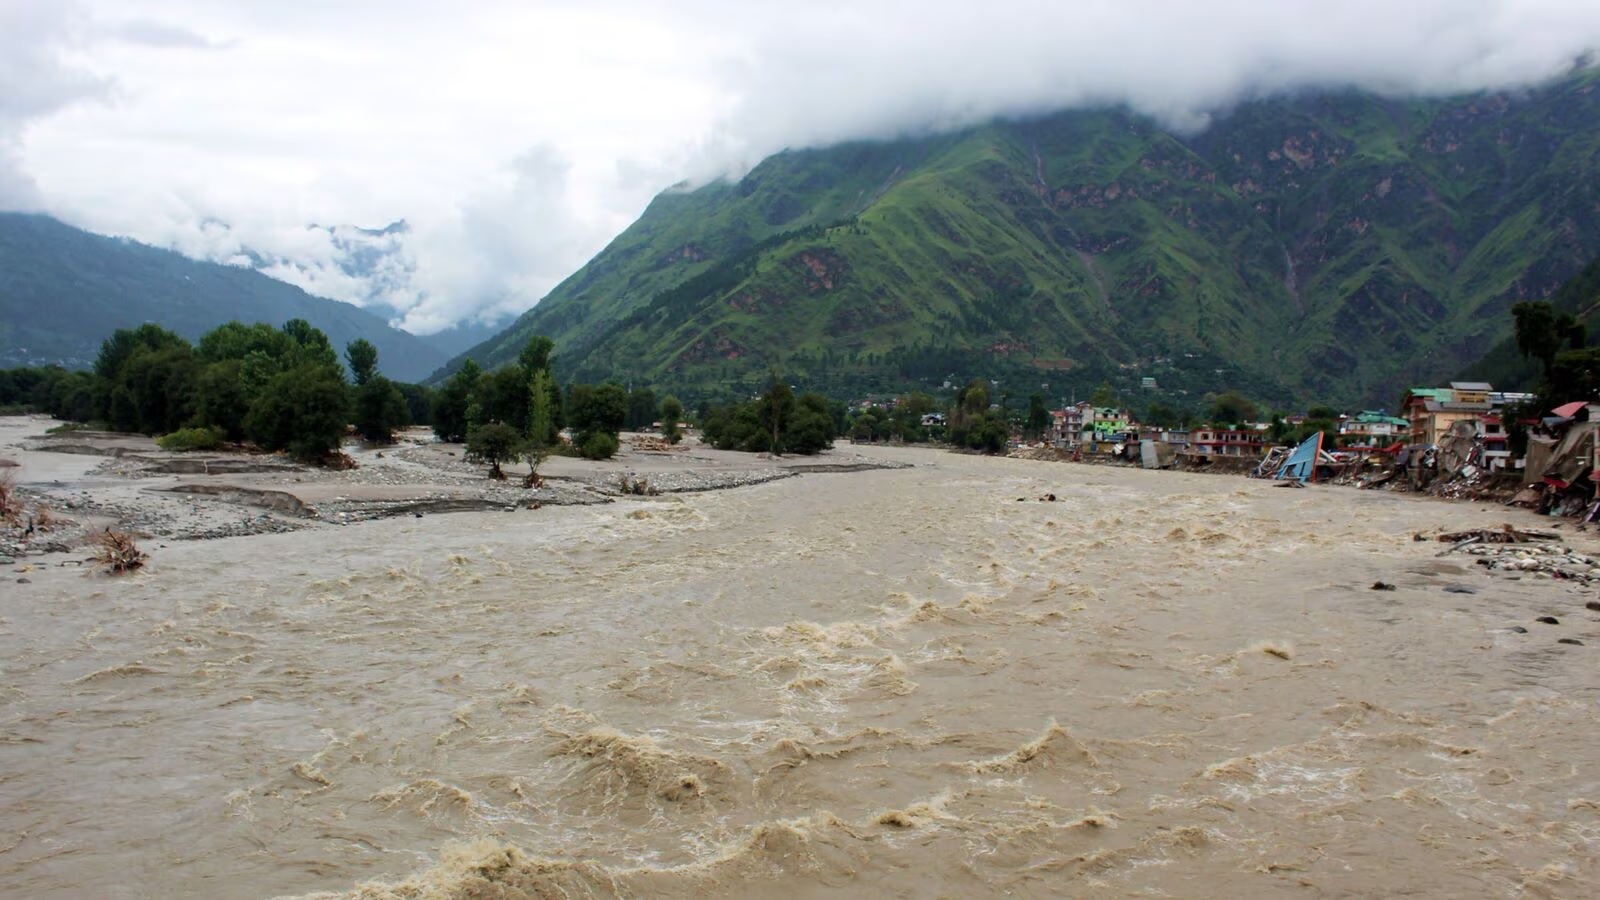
<point>889,683</point>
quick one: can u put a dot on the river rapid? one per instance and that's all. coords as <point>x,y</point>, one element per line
<point>884,683</point>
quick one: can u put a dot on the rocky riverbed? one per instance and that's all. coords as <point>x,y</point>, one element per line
<point>73,485</point>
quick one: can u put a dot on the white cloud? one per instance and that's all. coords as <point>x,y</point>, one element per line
<point>517,138</point>
<point>35,81</point>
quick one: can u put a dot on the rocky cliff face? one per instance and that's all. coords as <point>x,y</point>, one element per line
<point>1333,246</point>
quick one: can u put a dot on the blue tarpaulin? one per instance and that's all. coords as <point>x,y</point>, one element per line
<point>1302,463</point>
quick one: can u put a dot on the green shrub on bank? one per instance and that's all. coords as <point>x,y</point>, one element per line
<point>494,443</point>
<point>598,445</point>
<point>68,427</point>
<point>185,439</point>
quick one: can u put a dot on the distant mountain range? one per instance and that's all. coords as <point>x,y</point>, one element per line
<point>64,290</point>
<point>372,267</point>
<point>1333,246</point>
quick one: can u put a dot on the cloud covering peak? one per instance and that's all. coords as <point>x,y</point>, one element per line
<point>516,139</point>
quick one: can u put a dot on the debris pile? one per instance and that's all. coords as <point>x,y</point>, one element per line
<point>1516,552</point>
<point>1538,560</point>
<point>645,443</point>
<point>636,485</point>
<point>1505,534</point>
<point>118,553</point>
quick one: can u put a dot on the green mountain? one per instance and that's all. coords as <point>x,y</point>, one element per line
<point>1335,246</point>
<point>64,290</point>
<point>1506,368</point>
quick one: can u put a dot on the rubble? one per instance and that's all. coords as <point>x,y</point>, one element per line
<point>1538,560</point>
<point>645,443</point>
<point>1505,534</point>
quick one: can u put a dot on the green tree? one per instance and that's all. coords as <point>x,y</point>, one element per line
<point>542,431</point>
<point>502,396</point>
<point>494,443</point>
<point>536,355</point>
<point>363,359</point>
<point>1104,395</point>
<point>147,376</point>
<point>867,425</point>
<point>671,414</point>
<point>1546,335</point>
<point>303,410</point>
<point>642,408</point>
<point>905,421</point>
<point>1278,429</point>
<point>124,343</point>
<point>1161,415</point>
<point>774,408</point>
<point>597,445</point>
<point>595,411</point>
<point>970,413</point>
<point>380,409</point>
<point>1231,408</point>
<point>312,346</point>
<point>1535,328</point>
<point>992,436</point>
<point>1038,416</point>
<point>810,428</point>
<point>236,340</point>
<point>160,384</point>
<point>450,404</point>
<point>419,403</point>
<point>220,398</point>
<point>1574,375</point>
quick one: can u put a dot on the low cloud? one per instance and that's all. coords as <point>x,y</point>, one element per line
<point>157,34</point>
<point>860,71</point>
<point>516,140</point>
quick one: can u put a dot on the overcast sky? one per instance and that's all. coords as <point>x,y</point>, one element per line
<point>517,138</point>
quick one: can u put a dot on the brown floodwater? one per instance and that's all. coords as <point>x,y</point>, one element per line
<point>888,683</point>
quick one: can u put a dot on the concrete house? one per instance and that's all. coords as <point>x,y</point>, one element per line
<point>1432,411</point>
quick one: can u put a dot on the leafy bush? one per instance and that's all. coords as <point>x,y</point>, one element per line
<point>671,414</point>
<point>494,443</point>
<point>185,439</point>
<point>598,445</point>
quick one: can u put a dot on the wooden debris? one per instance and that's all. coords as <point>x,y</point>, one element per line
<point>638,486</point>
<point>118,553</point>
<point>1505,535</point>
<point>644,443</point>
<point>10,503</point>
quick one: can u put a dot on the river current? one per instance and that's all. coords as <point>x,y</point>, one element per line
<point>884,683</point>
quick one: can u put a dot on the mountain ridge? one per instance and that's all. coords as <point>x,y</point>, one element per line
<point>1331,246</point>
<point>63,290</point>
